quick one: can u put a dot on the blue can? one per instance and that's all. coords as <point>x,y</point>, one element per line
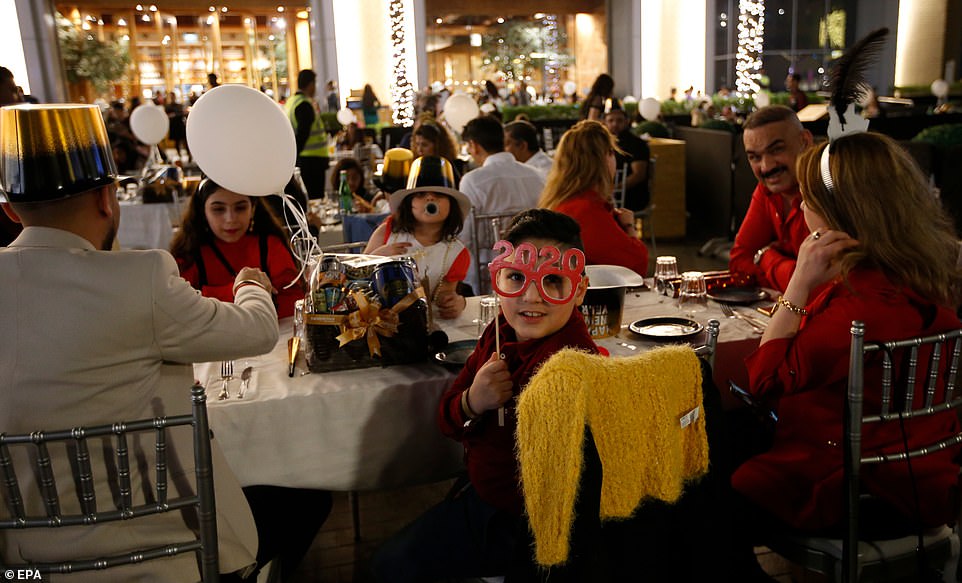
<point>393,281</point>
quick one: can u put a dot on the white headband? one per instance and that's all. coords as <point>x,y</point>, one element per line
<point>838,127</point>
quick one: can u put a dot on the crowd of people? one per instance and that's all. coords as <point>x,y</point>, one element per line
<point>868,243</point>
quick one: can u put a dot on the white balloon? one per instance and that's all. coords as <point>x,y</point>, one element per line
<point>487,108</point>
<point>940,88</point>
<point>242,140</point>
<point>630,99</point>
<point>650,108</point>
<point>570,87</point>
<point>149,123</point>
<point>459,109</point>
<point>762,99</point>
<point>345,116</point>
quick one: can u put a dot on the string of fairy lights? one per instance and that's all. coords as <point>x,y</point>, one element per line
<point>402,90</point>
<point>552,46</point>
<point>748,57</point>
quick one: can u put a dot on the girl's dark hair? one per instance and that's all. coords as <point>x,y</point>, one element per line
<point>368,99</point>
<point>344,164</point>
<point>601,89</point>
<point>404,221</point>
<point>195,232</point>
<point>540,223</point>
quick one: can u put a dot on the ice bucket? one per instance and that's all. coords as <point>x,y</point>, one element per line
<point>606,297</point>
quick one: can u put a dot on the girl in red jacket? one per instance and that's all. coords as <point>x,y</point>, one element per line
<point>222,232</point>
<point>881,250</point>
<point>579,185</point>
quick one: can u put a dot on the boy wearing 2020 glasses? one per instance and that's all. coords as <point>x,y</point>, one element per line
<point>476,530</point>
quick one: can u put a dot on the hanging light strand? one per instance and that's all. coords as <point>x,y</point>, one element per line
<point>751,40</point>
<point>402,90</point>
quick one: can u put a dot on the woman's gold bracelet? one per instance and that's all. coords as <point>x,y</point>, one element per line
<point>797,310</point>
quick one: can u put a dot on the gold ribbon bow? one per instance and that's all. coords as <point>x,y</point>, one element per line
<point>371,321</point>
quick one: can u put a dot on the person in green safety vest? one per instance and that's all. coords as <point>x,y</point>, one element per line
<point>309,133</point>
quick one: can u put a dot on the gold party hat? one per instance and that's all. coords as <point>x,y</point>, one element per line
<point>49,152</point>
<point>397,166</point>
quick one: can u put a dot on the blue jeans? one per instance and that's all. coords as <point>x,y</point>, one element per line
<point>461,537</point>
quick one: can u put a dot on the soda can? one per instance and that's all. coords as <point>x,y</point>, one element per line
<point>393,281</point>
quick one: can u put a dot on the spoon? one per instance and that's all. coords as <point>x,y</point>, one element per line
<point>245,381</point>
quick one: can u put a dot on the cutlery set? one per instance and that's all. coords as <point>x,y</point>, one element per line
<point>757,325</point>
<point>227,375</point>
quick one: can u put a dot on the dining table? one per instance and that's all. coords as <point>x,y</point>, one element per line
<point>375,428</point>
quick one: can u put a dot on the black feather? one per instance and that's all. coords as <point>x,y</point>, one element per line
<point>848,75</point>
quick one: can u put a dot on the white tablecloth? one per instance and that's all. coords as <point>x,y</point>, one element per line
<point>351,430</point>
<point>146,226</point>
<point>371,428</point>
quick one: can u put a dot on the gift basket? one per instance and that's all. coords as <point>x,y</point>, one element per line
<point>364,311</point>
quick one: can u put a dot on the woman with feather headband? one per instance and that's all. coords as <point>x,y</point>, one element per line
<point>881,250</point>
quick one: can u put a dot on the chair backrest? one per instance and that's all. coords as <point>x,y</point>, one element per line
<point>488,228</point>
<point>590,406</point>
<point>618,193</point>
<point>38,444</point>
<point>651,176</point>
<point>707,350</point>
<point>926,385</point>
<point>353,247</point>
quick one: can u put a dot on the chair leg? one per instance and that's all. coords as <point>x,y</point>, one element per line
<point>352,498</point>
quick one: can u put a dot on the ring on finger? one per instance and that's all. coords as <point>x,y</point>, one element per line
<point>816,235</point>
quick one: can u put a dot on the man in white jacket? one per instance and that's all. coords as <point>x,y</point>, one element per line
<point>94,336</point>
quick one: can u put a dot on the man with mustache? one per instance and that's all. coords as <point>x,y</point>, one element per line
<point>767,243</point>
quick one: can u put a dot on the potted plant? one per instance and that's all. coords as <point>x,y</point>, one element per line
<point>92,65</point>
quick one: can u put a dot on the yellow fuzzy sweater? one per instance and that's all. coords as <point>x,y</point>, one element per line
<point>640,413</point>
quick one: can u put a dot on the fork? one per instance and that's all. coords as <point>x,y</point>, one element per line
<point>731,313</point>
<point>226,374</point>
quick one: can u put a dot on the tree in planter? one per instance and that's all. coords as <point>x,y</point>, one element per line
<point>519,47</point>
<point>88,59</point>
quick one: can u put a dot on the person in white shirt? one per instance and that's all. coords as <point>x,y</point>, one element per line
<point>499,185</point>
<point>521,139</point>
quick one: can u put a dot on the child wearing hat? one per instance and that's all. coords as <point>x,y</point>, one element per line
<point>424,222</point>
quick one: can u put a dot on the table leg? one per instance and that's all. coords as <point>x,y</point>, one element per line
<point>352,498</point>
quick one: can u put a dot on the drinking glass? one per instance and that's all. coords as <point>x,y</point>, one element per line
<point>487,311</point>
<point>299,319</point>
<point>693,295</point>
<point>666,268</point>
